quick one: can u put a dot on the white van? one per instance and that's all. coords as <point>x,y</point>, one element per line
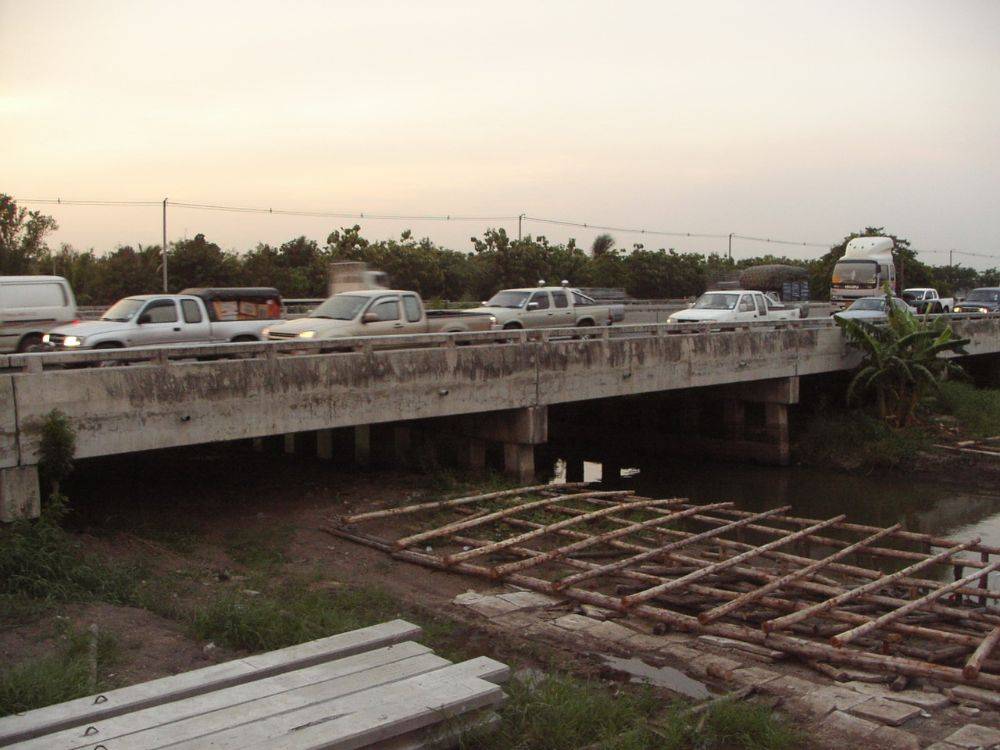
<point>30,306</point>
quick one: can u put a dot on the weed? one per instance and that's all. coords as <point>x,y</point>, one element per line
<point>296,614</point>
<point>262,547</point>
<point>564,713</point>
<point>56,677</point>
<point>41,561</point>
<point>857,440</point>
<point>976,409</point>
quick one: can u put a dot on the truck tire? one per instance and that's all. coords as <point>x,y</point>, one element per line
<point>512,326</point>
<point>243,339</point>
<point>804,310</point>
<point>29,342</point>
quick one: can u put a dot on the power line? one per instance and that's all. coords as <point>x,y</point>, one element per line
<point>362,215</point>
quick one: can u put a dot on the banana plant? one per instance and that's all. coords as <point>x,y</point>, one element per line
<point>902,359</point>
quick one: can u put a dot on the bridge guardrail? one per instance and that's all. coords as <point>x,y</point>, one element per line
<point>36,362</point>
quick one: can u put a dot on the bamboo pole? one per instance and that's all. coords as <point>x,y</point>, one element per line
<point>781,622</point>
<point>913,536</point>
<point>561,552</point>
<point>802,648</point>
<point>810,586</point>
<point>649,553</point>
<point>548,529</point>
<point>917,631</point>
<point>975,662</point>
<point>497,515</point>
<point>649,593</point>
<point>751,596</point>
<point>402,510</point>
<point>844,638</point>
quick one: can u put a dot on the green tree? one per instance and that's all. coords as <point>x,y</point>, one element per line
<point>901,359</point>
<point>199,263</point>
<point>22,237</point>
<point>602,243</point>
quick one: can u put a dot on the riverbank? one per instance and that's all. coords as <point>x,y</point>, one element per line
<point>180,577</point>
<point>856,441</point>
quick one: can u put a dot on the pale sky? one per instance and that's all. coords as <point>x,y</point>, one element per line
<point>802,119</point>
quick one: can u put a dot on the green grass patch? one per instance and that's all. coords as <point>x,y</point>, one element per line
<point>855,440</point>
<point>976,409</point>
<point>565,713</point>
<point>295,614</point>
<point>262,547</point>
<point>59,676</point>
<point>38,560</point>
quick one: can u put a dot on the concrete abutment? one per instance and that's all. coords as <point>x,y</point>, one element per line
<point>20,494</point>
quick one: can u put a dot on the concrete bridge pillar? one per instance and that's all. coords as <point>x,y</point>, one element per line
<point>472,454</point>
<point>402,445</point>
<point>517,430</point>
<point>20,496</point>
<point>519,461</point>
<point>363,445</point>
<point>574,469</point>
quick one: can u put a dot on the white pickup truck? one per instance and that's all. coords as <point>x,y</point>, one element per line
<point>735,306</point>
<point>377,312</point>
<point>194,316</point>
<point>548,307</point>
<point>926,300</point>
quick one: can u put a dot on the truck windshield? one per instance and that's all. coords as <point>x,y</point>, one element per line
<point>340,307</point>
<point>855,272</point>
<point>716,301</point>
<point>123,310</point>
<point>983,295</point>
<point>868,303</point>
<point>508,299</point>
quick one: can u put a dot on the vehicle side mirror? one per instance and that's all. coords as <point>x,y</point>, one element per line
<point>532,305</point>
<point>144,318</point>
<point>369,317</point>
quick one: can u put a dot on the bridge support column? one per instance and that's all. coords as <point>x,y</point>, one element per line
<point>363,444</point>
<point>289,442</point>
<point>402,441</point>
<point>776,420</point>
<point>519,461</point>
<point>257,444</point>
<point>518,430</point>
<point>20,496</point>
<point>770,445</point>
<point>472,454</point>
<point>324,444</point>
<point>574,469</point>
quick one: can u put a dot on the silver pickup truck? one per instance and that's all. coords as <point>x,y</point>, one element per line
<point>193,316</point>
<point>377,312</point>
<point>548,307</point>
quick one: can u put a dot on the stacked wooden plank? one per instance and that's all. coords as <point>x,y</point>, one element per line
<point>373,687</point>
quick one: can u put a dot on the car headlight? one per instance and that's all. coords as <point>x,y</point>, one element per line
<point>265,332</point>
<point>45,338</point>
<point>307,334</point>
<point>493,319</point>
<point>72,341</point>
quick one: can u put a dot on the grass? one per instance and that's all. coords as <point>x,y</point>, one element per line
<point>565,713</point>
<point>40,561</point>
<point>295,614</point>
<point>976,409</point>
<point>855,440</point>
<point>262,548</point>
<point>56,677</point>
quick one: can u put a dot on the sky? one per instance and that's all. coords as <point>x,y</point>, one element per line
<point>801,120</point>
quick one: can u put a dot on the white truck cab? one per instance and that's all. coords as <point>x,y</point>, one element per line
<point>867,265</point>
<point>734,306</point>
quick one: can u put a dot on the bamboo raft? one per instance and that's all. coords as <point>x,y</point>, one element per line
<point>884,601</point>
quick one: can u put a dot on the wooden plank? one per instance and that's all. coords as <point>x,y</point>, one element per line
<point>334,714</point>
<point>137,721</point>
<point>155,692</point>
<point>975,662</point>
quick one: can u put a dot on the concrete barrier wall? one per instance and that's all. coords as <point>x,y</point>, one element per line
<point>151,405</point>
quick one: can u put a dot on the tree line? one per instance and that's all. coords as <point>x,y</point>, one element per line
<point>298,268</point>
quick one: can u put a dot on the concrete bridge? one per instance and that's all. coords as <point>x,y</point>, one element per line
<point>486,387</point>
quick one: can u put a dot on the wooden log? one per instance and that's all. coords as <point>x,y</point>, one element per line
<point>496,516</point>
<point>776,624</point>
<point>845,638</point>
<point>575,547</point>
<point>665,549</point>
<point>642,596</point>
<point>751,596</point>
<point>975,662</point>
<point>550,528</point>
<point>402,510</point>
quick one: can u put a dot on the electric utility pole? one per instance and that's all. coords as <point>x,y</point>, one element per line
<point>165,290</point>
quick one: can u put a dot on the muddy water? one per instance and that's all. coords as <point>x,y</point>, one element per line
<point>878,500</point>
<point>665,677</point>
